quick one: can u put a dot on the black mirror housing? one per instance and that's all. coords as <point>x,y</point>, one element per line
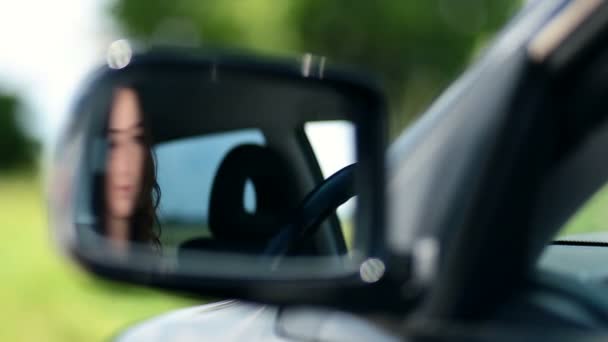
<point>180,95</point>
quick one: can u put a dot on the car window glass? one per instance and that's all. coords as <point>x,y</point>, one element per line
<point>333,144</point>
<point>183,210</point>
<point>590,222</point>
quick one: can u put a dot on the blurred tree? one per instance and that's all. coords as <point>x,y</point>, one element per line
<point>258,25</point>
<point>16,150</point>
<point>415,47</point>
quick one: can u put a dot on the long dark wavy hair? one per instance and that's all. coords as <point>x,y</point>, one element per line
<point>144,224</point>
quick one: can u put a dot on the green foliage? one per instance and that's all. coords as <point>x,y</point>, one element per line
<point>252,24</point>
<point>16,150</point>
<point>415,47</point>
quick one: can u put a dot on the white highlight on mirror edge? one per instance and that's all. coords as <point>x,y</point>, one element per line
<point>306,64</point>
<point>119,54</point>
<point>311,63</point>
<point>372,270</point>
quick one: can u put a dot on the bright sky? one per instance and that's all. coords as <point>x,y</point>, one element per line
<point>48,47</point>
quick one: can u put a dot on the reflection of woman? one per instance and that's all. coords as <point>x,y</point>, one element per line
<point>131,191</point>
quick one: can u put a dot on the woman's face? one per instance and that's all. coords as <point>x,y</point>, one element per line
<point>125,160</point>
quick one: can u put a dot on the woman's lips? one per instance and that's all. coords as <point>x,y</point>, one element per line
<point>124,189</point>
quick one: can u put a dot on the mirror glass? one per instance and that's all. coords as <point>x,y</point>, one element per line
<point>219,171</point>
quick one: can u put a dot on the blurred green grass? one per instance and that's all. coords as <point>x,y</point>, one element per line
<point>46,298</point>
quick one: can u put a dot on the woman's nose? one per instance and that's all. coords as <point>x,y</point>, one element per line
<point>126,159</point>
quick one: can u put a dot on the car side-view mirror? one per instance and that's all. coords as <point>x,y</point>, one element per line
<point>229,176</point>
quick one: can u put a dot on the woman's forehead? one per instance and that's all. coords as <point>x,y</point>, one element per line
<point>125,113</point>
